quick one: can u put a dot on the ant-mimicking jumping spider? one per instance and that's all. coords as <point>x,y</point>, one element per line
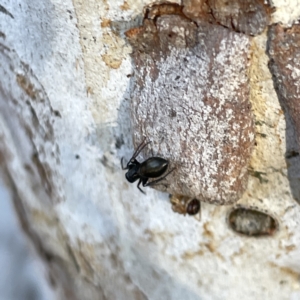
<point>152,167</point>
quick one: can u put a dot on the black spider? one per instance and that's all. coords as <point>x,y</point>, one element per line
<point>153,167</point>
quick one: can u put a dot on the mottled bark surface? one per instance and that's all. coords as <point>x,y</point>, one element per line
<point>28,164</point>
<point>284,53</point>
<point>65,116</point>
<point>191,99</point>
<point>247,16</point>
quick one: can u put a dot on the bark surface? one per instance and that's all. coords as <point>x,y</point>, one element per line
<point>65,122</point>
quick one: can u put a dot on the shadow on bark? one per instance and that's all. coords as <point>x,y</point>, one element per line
<point>283,49</point>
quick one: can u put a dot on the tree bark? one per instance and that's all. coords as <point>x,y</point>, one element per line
<point>65,122</point>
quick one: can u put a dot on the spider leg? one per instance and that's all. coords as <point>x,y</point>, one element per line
<point>157,180</point>
<point>123,168</point>
<point>140,181</point>
<point>198,216</point>
<point>141,146</point>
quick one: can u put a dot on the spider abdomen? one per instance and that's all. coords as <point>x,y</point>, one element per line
<point>153,167</point>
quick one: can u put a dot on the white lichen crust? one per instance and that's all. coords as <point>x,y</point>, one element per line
<point>190,97</point>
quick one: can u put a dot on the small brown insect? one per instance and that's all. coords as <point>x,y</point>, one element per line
<point>185,205</point>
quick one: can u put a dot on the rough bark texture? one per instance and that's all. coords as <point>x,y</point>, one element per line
<point>64,125</point>
<point>247,16</point>
<point>284,52</point>
<point>191,99</point>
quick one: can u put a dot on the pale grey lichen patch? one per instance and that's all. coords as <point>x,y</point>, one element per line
<point>190,98</point>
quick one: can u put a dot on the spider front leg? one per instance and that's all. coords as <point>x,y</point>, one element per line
<point>123,168</point>
<point>144,181</point>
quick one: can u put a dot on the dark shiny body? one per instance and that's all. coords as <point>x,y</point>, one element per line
<point>193,207</point>
<point>153,167</point>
